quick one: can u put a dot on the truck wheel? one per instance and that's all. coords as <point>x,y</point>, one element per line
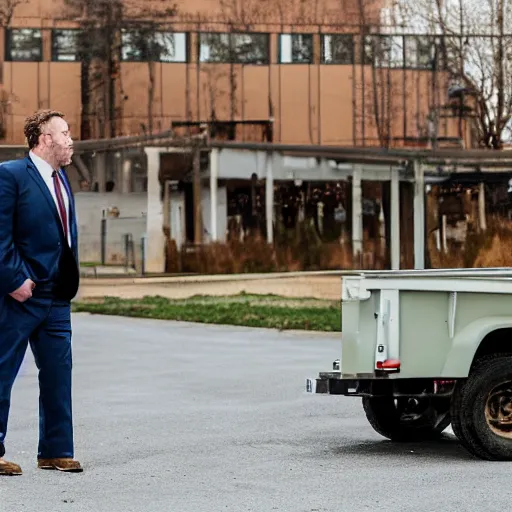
<point>484,409</point>
<point>407,419</point>
<point>455,408</point>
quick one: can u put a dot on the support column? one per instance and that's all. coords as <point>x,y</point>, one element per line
<point>100,167</point>
<point>198,217</point>
<point>214,174</point>
<point>126,177</point>
<point>269,199</point>
<point>357,216</point>
<point>482,220</point>
<point>419,216</point>
<point>155,253</point>
<point>166,207</point>
<point>395,220</point>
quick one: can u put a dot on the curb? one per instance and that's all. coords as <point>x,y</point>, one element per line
<point>214,278</point>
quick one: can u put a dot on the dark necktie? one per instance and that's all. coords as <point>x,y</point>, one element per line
<point>60,202</point>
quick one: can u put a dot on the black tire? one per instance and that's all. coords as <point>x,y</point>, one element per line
<point>457,426</point>
<point>455,408</point>
<point>475,409</point>
<point>398,422</point>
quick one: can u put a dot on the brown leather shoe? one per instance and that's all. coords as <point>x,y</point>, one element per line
<point>9,468</point>
<point>66,465</point>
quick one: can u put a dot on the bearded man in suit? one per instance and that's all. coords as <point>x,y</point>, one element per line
<point>39,275</point>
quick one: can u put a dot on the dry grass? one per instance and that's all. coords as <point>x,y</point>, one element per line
<point>303,250</point>
<point>256,255</point>
<point>498,254</point>
<point>493,248</point>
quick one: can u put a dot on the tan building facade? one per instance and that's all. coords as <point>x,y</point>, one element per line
<point>304,69</point>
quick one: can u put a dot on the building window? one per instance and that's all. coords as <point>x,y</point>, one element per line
<point>145,45</point>
<point>65,45</point>
<point>296,49</point>
<point>250,48</point>
<point>234,48</point>
<point>397,51</point>
<point>214,48</point>
<point>419,52</point>
<point>450,53</point>
<point>384,51</point>
<point>337,49</point>
<point>23,44</point>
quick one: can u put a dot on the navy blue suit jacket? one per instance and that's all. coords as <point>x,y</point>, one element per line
<point>32,240</point>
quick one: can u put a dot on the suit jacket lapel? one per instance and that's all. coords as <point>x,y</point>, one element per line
<point>72,216</point>
<point>36,176</point>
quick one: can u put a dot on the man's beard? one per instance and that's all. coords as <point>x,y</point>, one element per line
<point>62,155</point>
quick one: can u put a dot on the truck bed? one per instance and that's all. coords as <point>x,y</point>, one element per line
<point>428,322</point>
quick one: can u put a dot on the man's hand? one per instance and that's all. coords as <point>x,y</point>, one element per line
<point>24,292</point>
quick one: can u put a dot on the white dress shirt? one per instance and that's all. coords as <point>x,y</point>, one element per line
<point>46,171</point>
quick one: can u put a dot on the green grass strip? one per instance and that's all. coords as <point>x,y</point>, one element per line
<point>268,311</point>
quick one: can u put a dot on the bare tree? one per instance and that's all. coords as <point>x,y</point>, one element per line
<point>475,45</point>
<point>143,41</point>
<point>374,51</point>
<point>391,78</point>
<point>97,46</point>
<point>7,9</point>
<point>102,24</point>
<point>240,16</point>
<point>237,48</point>
<point>219,48</point>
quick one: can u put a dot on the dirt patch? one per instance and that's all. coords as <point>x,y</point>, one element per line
<point>321,287</point>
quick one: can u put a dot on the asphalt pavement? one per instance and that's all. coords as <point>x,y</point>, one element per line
<point>178,417</point>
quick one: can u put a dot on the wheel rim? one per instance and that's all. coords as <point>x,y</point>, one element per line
<point>498,410</point>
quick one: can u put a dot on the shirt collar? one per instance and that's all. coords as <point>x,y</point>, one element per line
<point>41,165</point>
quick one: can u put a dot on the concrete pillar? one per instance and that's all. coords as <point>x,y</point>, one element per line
<point>155,246</point>
<point>419,216</point>
<point>395,219</point>
<point>126,177</point>
<point>482,220</point>
<point>198,214</point>
<point>214,176</point>
<point>357,215</point>
<point>269,198</point>
<point>100,168</point>
<point>166,224</point>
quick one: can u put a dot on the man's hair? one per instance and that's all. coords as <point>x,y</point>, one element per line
<point>34,124</point>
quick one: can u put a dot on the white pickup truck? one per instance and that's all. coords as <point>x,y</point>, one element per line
<point>426,349</point>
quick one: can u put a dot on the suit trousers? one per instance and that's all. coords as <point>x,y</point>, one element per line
<point>45,323</point>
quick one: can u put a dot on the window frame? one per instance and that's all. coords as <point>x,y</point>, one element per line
<point>292,35</point>
<point>55,49</point>
<point>182,59</point>
<point>230,48</point>
<point>348,37</point>
<point>9,46</point>
<point>420,42</point>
